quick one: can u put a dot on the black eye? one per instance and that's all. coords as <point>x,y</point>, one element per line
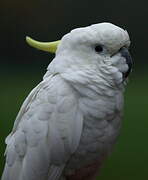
<point>98,48</point>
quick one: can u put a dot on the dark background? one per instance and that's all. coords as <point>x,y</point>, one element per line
<point>22,67</point>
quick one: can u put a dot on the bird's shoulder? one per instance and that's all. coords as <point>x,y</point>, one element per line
<point>48,93</point>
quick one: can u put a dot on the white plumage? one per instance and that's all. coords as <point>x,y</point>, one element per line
<point>71,120</point>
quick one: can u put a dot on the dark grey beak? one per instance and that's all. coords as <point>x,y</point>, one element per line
<point>125,53</point>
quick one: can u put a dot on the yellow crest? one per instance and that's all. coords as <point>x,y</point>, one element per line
<point>44,46</point>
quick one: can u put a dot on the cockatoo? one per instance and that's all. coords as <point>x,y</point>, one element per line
<point>69,123</point>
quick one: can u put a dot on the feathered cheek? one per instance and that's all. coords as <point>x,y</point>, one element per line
<point>117,75</point>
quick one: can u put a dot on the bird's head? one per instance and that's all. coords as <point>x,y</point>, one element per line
<point>101,47</point>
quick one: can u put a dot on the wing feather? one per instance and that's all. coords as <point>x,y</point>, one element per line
<point>46,132</point>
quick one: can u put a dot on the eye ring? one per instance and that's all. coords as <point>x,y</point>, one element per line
<point>99,48</point>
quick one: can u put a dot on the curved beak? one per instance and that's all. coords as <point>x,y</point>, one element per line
<point>44,46</point>
<point>125,53</point>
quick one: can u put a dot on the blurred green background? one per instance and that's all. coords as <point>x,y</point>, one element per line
<point>22,68</point>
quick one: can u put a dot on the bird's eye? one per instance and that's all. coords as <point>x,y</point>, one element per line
<point>98,48</point>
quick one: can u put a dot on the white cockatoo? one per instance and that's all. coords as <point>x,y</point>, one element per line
<point>69,123</point>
